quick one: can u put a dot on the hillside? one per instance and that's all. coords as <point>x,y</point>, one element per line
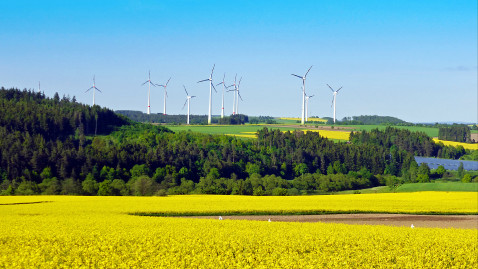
<point>46,146</point>
<point>373,120</point>
<point>139,116</point>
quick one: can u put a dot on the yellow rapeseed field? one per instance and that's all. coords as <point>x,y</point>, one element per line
<point>340,135</point>
<point>456,144</point>
<point>96,232</point>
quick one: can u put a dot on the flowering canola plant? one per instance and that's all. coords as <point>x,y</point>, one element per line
<point>456,144</point>
<point>97,232</point>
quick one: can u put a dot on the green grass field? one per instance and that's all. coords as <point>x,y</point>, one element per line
<point>224,129</point>
<point>444,186</point>
<point>430,131</point>
<point>415,187</point>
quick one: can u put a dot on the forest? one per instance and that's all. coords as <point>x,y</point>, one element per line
<point>372,120</point>
<point>139,116</point>
<point>455,132</point>
<point>49,146</point>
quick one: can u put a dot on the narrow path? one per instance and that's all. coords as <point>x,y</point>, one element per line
<point>428,221</point>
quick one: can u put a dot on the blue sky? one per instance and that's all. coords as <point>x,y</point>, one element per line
<point>415,60</point>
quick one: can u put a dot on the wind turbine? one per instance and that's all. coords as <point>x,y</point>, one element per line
<point>307,97</point>
<point>236,92</point>
<point>188,101</point>
<point>303,93</point>
<point>211,86</point>
<point>165,86</point>
<point>39,90</point>
<point>234,100</point>
<point>238,95</point>
<point>225,88</point>
<point>149,90</point>
<point>334,98</point>
<point>94,90</point>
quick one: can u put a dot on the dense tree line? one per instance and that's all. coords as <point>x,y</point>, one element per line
<point>139,116</point>
<point>48,150</point>
<point>455,132</point>
<point>371,120</point>
<point>237,119</point>
<point>262,119</point>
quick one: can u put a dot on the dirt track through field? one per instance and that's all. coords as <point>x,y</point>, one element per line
<point>428,221</point>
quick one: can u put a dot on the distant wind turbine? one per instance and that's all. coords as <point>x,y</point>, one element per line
<point>149,90</point>
<point>334,99</point>
<point>225,89</point>
<point>211,86</point>
<point>236,93</point>
<point>94,90</point>
<point>303,94</point>
<point>39,90</point>
<point>188,101</point>
<point>307,106</point>
<point>165,86</point>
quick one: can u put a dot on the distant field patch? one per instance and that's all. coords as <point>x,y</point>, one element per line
<point>339,135</point>
<point>456,144</point>
<point>439,186</point>
<point>309,119</point>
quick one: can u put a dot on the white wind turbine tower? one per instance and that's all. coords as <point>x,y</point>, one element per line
<point>188,101</point>
<point>334,99</point>
<point>94,90</point>
<point>307,97</point>
<point>211,86</point>
<point>303,94</point>
<point>149,90</point>
<point>165,86</point>
<point>225,88</point>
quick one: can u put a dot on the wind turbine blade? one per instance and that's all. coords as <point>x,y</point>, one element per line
<point>184,104</point>
<point>229,86</point>
<point>98,89</point>
<point>213,87</point>
<point>297,76</point>
<point>185,90</point>
<point>231,90</point>
<point>308,71</point>
<point>239,83</point>
<point>145,82</point>
<point>239,95</point>
<point>167,82</point>
<point>213,69</point>
<point>339,89</point>
<point>203,80</point>
<point>312,96</point>
<point>219,83</point>
<point>332,102</point>
<point>330,88</point>
<point>193,96</point>
<point>89,89</point>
